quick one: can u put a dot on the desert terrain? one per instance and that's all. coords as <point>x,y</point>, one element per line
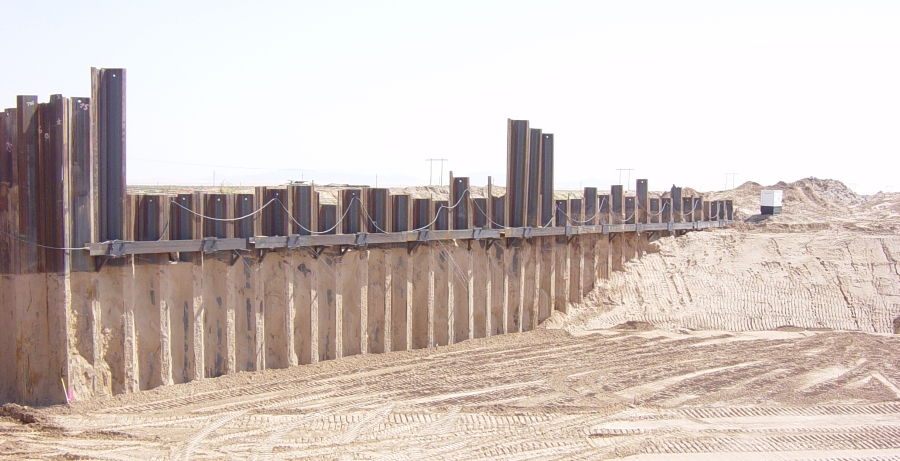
<point>773,339</point>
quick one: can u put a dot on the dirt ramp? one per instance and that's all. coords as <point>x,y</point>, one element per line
<point>732,280</point>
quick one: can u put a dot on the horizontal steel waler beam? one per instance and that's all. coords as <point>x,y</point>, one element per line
<point>121,248</point>
<point>212,244</point>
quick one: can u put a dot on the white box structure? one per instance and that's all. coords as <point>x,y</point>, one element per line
<point>770,202</point>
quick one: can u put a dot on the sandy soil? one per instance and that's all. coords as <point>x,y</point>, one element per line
<point>739,280</point>
<point>770,340</point>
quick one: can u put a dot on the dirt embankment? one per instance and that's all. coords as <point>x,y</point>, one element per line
<point>829,261</point>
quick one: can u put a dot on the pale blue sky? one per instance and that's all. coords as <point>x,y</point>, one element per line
<point>682,92</point>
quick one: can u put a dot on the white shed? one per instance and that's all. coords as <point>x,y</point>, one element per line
<point>770,202</point>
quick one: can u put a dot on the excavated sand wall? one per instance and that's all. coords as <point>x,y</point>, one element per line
<point>739,281</point>
<point>141,323</point>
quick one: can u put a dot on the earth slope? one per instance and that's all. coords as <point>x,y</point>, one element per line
<point>829,261</point>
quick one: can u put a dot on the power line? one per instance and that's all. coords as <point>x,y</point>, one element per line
<point>732,180</point>
<point>431,169</point>
<point>629,170</point>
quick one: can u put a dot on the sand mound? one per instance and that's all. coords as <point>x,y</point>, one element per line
<point>23,414</point>
<point>827,193</point>
<point>829,261</point>
<point>789,328</point>
<point>634,325</point>
<point>814,204</point>
<point>884,204</point>
<point>813,198</point>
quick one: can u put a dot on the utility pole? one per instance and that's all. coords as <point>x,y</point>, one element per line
<point>431,169</point>
<point>629,170</point>
<point>732,180</point>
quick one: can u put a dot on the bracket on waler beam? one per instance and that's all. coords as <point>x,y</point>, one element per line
<point>316,251</point>
<point>361,239</point>
<point>235,256</point>
<point>293,241</point>
<point>421,237</point>
<point>490,243</point>
<point>209,245</point>
<point>412,245</point>
<point>100,263</point>
<point>570,235</point>
<point>526,232</point>
<point>116,249</point>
